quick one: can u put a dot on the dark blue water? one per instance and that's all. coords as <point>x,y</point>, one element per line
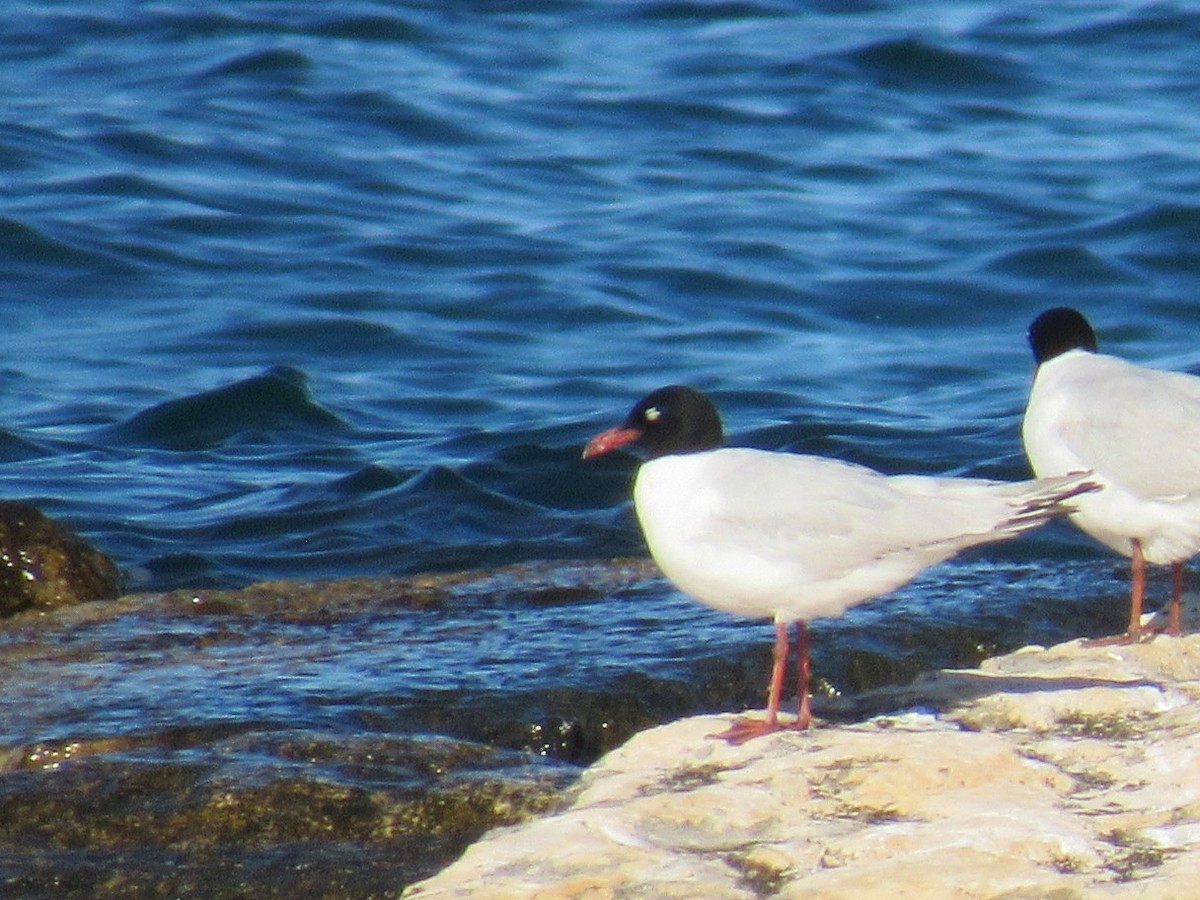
<point>316,290</point>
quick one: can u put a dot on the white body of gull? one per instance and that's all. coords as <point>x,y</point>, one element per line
<point>1138,430</point>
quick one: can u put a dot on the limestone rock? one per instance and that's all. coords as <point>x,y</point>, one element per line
<point>1065,772</point>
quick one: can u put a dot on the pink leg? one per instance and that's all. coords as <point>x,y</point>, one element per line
<point>1175,621</point>
<point>1137,595</point>
<point>1137,591</point>
<point>744,729</point>
<point>778,667</point>
<point>803,672</point>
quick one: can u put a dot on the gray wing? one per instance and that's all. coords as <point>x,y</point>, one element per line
<point>831,517</point>
<point>1137,427</point>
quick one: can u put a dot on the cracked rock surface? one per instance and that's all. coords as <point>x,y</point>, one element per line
<point>1068,772</point>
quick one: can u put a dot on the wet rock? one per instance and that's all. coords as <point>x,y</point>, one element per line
<point>251,815</point>
<point>1062,772</point>
<point>43,565</point>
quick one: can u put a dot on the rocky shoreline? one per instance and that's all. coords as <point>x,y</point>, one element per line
<point>1065,772</point>
<point>210,743</point>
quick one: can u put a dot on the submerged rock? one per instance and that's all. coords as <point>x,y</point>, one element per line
<point>250,815</point>
<point>43,565</point>
<point>1066,772</point>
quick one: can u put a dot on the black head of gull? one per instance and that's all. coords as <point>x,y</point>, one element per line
<point>1058,330</point>
<point>674,419</point>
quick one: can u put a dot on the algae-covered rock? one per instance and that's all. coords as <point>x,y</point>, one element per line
<point>256,815</point>
<point>44,565</point>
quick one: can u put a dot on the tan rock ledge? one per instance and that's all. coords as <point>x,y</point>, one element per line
<point>1067,772</point>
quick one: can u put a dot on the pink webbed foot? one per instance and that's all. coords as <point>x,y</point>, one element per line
<point>746,729</point>
<point>1119,640</point>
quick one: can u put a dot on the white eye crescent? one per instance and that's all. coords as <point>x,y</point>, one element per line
<point>653,414</point>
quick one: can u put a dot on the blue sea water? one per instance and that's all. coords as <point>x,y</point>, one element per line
<point>308,290</point>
